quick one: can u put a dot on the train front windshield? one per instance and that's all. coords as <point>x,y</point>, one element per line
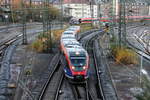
<point>78,62</point>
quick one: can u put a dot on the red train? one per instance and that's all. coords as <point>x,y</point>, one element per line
<point>76,57</point>
<point>106,19</point>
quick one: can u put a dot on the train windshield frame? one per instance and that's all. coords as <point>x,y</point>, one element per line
<point>78,62</point>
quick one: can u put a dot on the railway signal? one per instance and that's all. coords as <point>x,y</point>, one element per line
<point>79,20</point>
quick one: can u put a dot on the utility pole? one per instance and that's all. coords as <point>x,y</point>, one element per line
<point>24,41</point>
<point>47,26</point>
<point>82,9</point>
<point>99,13</point>
<point>91,9</point>
<point>111,17</point>
<point>120,21</point>
<point>141,67</point>
<point>124,21</point>
<point>31,10</point>
<point>61,17</point>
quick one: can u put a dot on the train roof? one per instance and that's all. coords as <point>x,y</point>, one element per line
<point>71,44</point>
<point>75,26</point>
<point>76,51</point>
<point>67,36</point>
<point>68,39</point>
<point>71,29</point>
<point>75,46</point>
<point>69,32</point>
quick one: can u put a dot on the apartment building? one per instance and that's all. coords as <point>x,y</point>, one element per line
<point>80,8</point>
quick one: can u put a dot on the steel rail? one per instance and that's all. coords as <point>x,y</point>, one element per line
<point>59,87</point>
<point>98,74</point>
<point>109,73</point>
<point>137,27</point>
<point>89,95</point>
<point>3,46</point>
<point>7,52</point>
<point>102,96</point>
<point>138,49</point>
<point>18,26</point>
<point>56,66</point>
<point>86,45</point>
<point>80,36</point>
<point>7,43</point>
<point>87,91</point>
<point>78,95</point>
<point>75,92</point>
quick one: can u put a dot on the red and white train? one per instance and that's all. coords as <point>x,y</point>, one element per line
<point>107,19</point>
<point>76,57</point>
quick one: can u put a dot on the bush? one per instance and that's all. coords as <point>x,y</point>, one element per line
<point>43,41</point>
<point>124,55</point>
<point>85,27</point>
<point>57,34</point>
<point>38,45</point>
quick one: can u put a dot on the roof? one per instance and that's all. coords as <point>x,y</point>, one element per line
<point>51,1</point>
<point>127,1</point>
<point>94,1</point>
<point>137,1</point>
<point>80,1</point>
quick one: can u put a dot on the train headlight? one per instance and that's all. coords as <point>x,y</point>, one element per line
<point>73,67</point>
<point>77,53</point>
<point>84,67</point>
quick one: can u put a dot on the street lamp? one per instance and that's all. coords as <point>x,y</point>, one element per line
<point>6,16</point>
<point>6,22</point>
<point>145,73</point>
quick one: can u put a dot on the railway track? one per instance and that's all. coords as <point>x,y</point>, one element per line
<point>5,44</point>
<point>81,92</point>
<point>51,88</point>
<point>79,37</point>
<point>94,83</point>
<point>5,29</point>
<point>98,87</point>
<point>147,55</point>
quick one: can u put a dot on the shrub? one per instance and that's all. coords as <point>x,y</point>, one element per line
<point>43,41</point>
<point>38,45</point>
<point>124,55</point>
<point>57,34</point>
<point>85,27</point>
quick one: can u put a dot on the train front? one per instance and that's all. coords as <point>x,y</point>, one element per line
<point>77,69</point>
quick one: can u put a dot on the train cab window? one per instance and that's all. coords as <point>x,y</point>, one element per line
<point>69,33</point>
<point>78,62</point>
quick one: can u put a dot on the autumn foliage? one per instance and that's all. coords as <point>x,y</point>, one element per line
<point>124,55</point>
<point>43,41</point>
